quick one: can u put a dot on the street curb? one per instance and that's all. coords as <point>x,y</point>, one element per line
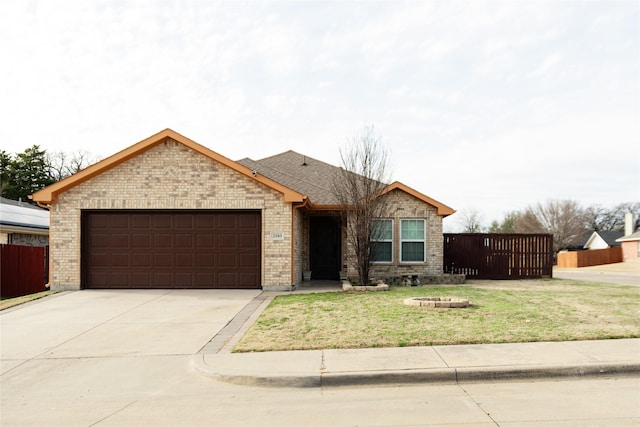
<point>416,376</point>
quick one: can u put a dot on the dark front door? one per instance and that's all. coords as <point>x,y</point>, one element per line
<point>325,247</point>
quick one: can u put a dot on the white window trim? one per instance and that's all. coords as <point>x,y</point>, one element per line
<point>423,241</point>
<point>385,241</point>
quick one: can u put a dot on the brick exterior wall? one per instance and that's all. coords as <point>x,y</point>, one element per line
<point>300,245</point>
<point>405,206</point>
<point>170,176</point>
<point>24,239</point>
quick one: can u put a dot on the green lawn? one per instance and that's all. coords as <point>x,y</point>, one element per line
<point>500,312</point>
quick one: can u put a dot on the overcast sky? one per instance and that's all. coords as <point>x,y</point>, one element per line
<point>490,106</point>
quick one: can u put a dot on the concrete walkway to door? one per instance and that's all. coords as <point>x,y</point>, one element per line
<point>107,323</point>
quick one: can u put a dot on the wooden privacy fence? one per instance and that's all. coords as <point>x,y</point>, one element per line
<point>498,256</point>
<point>23,270</point>
<point>589,257</point>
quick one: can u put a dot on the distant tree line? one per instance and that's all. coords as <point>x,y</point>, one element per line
<point>567,220</point>
<point>25,173</point>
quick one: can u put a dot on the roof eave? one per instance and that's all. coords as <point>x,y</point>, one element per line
<point>442,209</point>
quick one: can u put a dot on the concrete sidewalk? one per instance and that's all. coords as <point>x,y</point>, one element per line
<point>410,365</point>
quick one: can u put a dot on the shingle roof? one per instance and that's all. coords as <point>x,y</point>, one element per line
<point>313,178</point>
<point>630,238</point>
<point>300,173</point>
<point>611,236</point>
<point>22,214</point>
<point>607,235</point>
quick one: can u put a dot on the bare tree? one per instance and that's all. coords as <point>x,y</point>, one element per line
<point>359,190</point>
<point>562,218</point>
<point>62,164</point>
<point>471,221</point>
<point>599,218</point>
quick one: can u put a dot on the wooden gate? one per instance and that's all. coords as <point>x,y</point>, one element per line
<point>498,256</point>
<point>24,270</point>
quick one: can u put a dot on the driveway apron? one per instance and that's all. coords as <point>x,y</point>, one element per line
<point>107,323</point>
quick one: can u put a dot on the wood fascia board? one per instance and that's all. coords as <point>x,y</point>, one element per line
<point>442,209</point>
<point>50,194</point>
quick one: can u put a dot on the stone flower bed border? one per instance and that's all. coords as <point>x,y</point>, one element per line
<point>348,287</point>
<point>437,302</point>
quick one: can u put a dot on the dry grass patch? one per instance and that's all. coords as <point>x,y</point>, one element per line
<point>11,302</point>
<point>500,312</point>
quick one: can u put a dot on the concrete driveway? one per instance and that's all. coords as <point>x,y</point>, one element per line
<point>111,323</point>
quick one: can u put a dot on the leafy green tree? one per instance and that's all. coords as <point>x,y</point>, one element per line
<point>507,225</point>
<point>27,173</point>
<point>6,160</point>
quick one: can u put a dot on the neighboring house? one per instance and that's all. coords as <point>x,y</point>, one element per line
<point>630,247</point>
<point>603,239</point>
<point>630,241</point>
<point>170,213</point>
<point>23,224</point>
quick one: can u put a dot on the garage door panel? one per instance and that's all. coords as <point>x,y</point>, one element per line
<point>184,260</point>
<point>163,260</point>
<point>226,241</point>
<point>184,240</point>
<point>119,277</point>
<point>248,241</point>
<point>204,280</point>
<point>140,241</point>
<point>184,279</point>
<point>226,222</point>
<point>227,260</point>
<point>140,279</point>
<point>141,221</point>
<point>119,241</point>
<point>205,241</point>
<point>244,279</point>
<point>248,221</point>
<point>162,221</point>
<point>205,260</point>
<point>247,260</point>
<point>120,260</point>
<point>141,260</point>
<point>162,241</point>
<point>100,259</point>
<point>184,221</point>
<point>119,222</point>
<point>99,241</point>
<point>205,221</point>
<point>163,279</point>
<point>171,249</point>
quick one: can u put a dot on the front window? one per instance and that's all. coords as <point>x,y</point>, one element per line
<point>382,241</point>
<point>412,240</point>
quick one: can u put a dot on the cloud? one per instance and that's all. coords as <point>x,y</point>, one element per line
<point>487,105</point>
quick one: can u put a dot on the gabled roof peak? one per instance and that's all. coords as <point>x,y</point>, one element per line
<point>49,194</point>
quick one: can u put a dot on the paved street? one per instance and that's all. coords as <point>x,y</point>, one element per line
<point>125,358</point>
<point>622,273</point>
<point>164,391</point>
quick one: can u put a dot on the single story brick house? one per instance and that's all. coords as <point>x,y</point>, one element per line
<point>168,212</point>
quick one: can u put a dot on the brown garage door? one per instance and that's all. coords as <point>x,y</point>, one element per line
<point>171,249</point>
